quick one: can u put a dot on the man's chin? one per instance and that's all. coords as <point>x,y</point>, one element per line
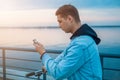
<point>66,31</point>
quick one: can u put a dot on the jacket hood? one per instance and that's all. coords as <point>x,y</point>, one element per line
<point>86,30</point>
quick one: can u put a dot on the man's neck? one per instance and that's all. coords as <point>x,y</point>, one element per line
<point>76,27</point>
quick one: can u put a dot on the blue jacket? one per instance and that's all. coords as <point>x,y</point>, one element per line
<point>79,61</point>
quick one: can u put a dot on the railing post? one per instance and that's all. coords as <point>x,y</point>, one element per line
<point>44,76</point>
<point>102,65</point>
<point>4,64</point>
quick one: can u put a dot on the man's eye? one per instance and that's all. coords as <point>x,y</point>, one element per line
<point>60,21</point>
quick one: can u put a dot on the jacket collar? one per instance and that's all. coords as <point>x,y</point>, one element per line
<point>86,30</point>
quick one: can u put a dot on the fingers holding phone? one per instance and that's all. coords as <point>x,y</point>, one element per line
<point>39,47</point>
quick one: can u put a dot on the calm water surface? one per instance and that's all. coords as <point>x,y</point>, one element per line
<point>55,39</point>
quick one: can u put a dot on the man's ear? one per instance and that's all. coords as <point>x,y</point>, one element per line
<point>70,18</point>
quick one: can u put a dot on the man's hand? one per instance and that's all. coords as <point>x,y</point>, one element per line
<point>43,69</point>
<point>39,48</point>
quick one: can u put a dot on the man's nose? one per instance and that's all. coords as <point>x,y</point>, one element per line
<point>59,26</point>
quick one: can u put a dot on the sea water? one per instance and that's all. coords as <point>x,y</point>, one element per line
<point>54,38</point>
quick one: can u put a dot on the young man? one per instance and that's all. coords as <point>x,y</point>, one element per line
<point>80,60</point>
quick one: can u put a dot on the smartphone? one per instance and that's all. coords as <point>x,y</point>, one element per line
<point>35,41</point>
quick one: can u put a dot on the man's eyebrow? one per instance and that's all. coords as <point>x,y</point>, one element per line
<point>58,20</point>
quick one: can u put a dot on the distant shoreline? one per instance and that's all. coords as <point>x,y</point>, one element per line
<point>41,27</point>
<point>54,27</point>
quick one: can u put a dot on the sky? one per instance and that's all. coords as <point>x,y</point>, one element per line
<point>32,13</point>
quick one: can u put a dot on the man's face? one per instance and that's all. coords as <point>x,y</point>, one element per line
<point>64,23</point>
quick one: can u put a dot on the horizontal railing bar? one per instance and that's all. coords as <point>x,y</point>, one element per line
<point>13,74</point>
<point>102,55</point>
<point>112,55</point>
<point>19,75</point>
<point>31,50</point>
<point>18,49</point>
<point>27,69</point>
<point>111,69</point>
<point>23,59</point>
<point>105,79</point>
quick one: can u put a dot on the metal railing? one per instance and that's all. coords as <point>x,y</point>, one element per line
<point>4,49</point>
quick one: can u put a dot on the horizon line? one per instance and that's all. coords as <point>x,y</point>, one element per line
<point>45,27</point>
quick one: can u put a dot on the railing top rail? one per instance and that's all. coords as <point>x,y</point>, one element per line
<point>30,49</point>
<point>110,55</point>
<point>18,49</point>
<point>115,55</point>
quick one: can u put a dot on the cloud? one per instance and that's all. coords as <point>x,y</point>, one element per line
<point>31,4</point>
<point>46,17</point>
<point>96,3</point>
<point>101,16</point>
<point>41,17</point>
<point>41,12</point>
<point>53,4</point>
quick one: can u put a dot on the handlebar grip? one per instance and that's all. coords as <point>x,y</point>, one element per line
<point>30,74</point>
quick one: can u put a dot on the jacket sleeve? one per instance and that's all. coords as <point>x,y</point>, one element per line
<point>68,64</point>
